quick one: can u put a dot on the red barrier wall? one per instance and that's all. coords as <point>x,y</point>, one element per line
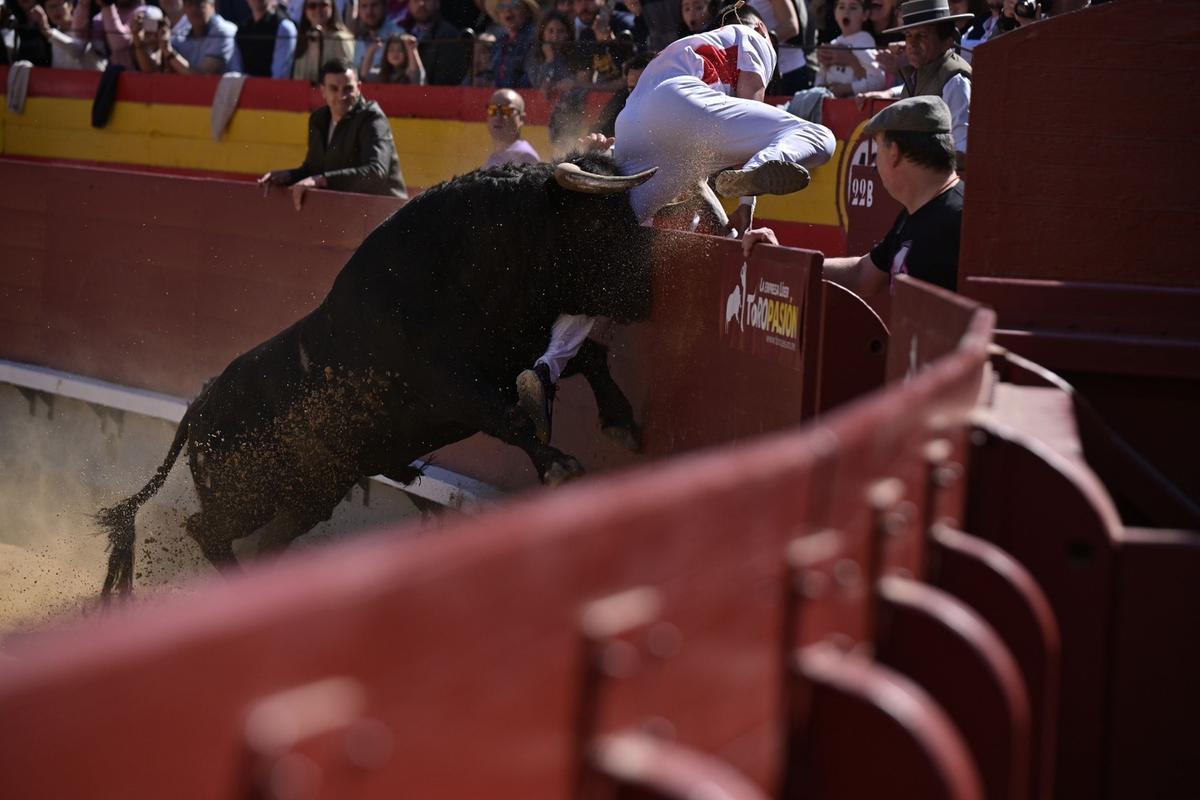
<point>471,648</point>
<point>1077,215</point>
<point>157,282</point>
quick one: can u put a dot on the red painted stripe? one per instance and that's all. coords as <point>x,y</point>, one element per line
<point>264,94</point>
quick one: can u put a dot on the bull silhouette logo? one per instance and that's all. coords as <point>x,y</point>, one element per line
<point>735,308</point>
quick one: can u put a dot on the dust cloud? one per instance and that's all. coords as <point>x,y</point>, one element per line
<point>62,460</point>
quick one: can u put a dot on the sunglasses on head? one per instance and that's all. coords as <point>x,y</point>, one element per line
<point>504,111</point>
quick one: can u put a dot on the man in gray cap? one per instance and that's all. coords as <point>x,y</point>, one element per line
<point>933,67</point>
<point>914,153</point>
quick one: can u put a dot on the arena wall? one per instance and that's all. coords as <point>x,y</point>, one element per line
<point>164,123</point>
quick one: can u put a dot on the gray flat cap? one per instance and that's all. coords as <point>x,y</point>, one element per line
<point>924,114</point>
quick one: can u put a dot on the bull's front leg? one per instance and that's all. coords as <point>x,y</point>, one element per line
<point>469,398</point>
<point>616,413</point>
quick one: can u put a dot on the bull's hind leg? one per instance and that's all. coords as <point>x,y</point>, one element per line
<point>288,525</point>
<point>214,537</point>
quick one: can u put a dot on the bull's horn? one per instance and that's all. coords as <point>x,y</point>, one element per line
<point>570,176</point>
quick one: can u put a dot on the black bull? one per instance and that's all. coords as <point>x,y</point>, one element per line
<point>416,346</point>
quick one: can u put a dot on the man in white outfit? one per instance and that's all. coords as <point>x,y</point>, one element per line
<point>697,109</point>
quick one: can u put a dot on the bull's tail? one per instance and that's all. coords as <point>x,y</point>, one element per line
<point>118,521</point>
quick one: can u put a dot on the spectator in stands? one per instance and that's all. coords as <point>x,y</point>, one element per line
<point>933,67</point>
<point>266,42</point>
<point>207,46</point>
<point>346,9</point>
<point>108,30</point>
<point>32,45</point>
<point>151,32</point>
<point>441,48</point>
<point>656,23</point>
<point>53,21</point>
<point>371,27</point>
<point>848,65</point>
<point>518,18</point>
<point>551,66</point>
<point>401,61</point>
<point>350,144</point>
<point>881,19</point>
<point>597,28</point>
<point>787,19</point>
<point>481,61</point>
<point>505,118</point>
<point>915,159</point>
<point>697,15</point>
<point>982,29</point>
<point>322,37</point>
<point>1014,20</point>
<point>606,123</point>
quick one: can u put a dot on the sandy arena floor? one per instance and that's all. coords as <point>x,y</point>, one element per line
<point>60,461</point>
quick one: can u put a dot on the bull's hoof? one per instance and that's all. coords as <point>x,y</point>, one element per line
<point>562,470</point>
<point>626,436</point>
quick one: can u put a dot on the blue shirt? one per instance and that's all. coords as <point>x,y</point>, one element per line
<point>389,29</point>
<point>509,56</point>
<point>217,41</point>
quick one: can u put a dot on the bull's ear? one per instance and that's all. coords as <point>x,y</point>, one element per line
<point>570,176</point>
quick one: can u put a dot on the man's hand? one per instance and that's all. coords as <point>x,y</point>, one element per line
<point>37,15</point>
<point>756,235</point>
<point>861,99</point>
<point>594,141</point>
<point>300,187</point>
<point>741,219</point>
<point>893,58</point>
<point>277,177</point>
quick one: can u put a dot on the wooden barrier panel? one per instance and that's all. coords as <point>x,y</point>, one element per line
<point>1060,223</point>
<point>157,282</point>
<point>465,664</point>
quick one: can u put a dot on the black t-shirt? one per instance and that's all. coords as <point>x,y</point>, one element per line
<point>925,244</point>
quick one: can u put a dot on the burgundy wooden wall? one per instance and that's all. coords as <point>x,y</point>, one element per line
<point>1079,217</point>
<point>156,282</point>
<point>1080,148</point>
<point>470,648</point>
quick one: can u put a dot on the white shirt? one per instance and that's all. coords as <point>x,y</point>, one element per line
<point>957,94</point>
<point>716,57</point>
<point>875,78</point>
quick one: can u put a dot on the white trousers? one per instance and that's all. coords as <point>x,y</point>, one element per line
<point>689,131</point>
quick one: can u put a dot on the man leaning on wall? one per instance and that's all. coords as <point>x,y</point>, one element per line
<point>350,144</point>
<point>915,159</point>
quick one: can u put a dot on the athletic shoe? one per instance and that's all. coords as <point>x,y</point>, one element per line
<point>770,177</point>
<point>535,394</point>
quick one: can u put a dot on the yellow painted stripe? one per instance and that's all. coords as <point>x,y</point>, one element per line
<point>431,150</point>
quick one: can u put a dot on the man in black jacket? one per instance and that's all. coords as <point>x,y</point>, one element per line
<point>350,145</point>
<point>442,50</point>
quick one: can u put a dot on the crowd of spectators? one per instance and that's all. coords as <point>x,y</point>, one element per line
<point>836,46</point>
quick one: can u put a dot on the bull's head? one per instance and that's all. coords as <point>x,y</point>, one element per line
<point>609,252</point>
